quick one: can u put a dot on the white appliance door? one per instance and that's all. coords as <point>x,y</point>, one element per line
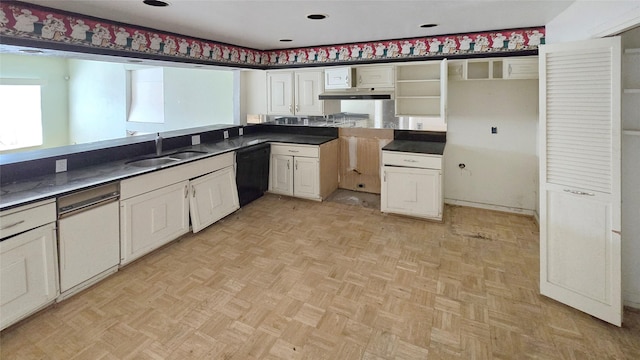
<point>580,206</point>
<point>89,244</point>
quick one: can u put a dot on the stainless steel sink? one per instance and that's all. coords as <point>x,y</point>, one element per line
<point>186,154</point>
<point>151,162</point>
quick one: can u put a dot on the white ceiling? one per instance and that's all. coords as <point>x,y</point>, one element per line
<point>260,24</point>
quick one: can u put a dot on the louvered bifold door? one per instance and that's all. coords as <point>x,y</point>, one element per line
<point>580,176</point>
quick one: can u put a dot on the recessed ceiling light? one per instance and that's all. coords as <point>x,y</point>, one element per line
<point>317,16</point>
<point>31,51</point>
<point>428,25</point>
<point>157,3</point>
<point>286,40</point>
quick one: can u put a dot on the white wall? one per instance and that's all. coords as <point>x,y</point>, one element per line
<point>253,93</point>
<point>501,170</point>
<point>97,101</point>
<point>52,72</point>
<point>586,19</point>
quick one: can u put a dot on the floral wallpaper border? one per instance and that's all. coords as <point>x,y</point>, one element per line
<point>52,27</point>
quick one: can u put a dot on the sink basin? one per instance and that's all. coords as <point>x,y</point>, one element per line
<point>186,154</point>
<point>151,162</point>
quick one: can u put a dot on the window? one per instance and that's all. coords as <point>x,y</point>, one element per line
<point>20,114</point>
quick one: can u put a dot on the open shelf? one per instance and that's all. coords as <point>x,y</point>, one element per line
<point>631,91</point>
<point>632,51</point>
<point>631,132</point>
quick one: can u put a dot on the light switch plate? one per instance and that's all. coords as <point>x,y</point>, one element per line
<point>226,134</point>
<point>195,140</point>
<point>61,165</point>
<point>240,132</point>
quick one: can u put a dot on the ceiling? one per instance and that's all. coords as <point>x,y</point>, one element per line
<point>260,24</point>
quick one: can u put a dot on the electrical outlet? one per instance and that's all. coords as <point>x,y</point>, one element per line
<point>195,140</point>
<point>240,132</point>
<point>61,165</point>
<point>226,134</point>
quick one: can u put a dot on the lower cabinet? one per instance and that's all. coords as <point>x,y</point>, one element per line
<point>414,189</point>
<point>305,171</point>
<point>155,207</point>
<point>153,219</point>
<point>28,273</point>
<point>213,197</point>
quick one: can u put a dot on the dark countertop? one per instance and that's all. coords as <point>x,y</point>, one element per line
<point>421,147</point>
<point>54,185</point>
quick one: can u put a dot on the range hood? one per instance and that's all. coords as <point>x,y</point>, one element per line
<point>356,95</point>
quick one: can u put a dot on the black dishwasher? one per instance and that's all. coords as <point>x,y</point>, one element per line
<point>252,172</point>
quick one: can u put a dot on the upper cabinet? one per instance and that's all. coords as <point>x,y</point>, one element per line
<point>374,77</point>
<point>510,68</point>
<point>296,93</point>
<point>338,78</point>
<point>421,89</point>
<point>520,68</point>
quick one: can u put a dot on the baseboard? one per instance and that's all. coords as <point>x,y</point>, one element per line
<point>631,299</point>
<point>508,209</point>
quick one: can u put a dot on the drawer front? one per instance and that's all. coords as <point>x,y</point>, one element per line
<point>27,217</point>
<point>295,150</point>
<point>413,160</point>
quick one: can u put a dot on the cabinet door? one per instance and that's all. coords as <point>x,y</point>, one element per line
<point>338,78</point>
<point>151,220</point>
<point>213,197</point>
<point>375,77</point>
<point>525,68</point>
<point>306,178</point>
<point>308,86</point>
<point>280,93</point>
<point>580,166</point>
<point>410,191</point>
<point>281,174</point>
<point>27,273</point>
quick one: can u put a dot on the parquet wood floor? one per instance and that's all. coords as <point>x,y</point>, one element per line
<point>292,279</point>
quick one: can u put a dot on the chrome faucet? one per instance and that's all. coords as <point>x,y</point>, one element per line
<point>158,144</point>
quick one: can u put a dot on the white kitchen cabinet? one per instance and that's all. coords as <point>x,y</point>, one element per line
<point>338,78</point>
<point>28,261</point>
<point>412,185</point>
<point>296,93</point>
<point>374,77</point>
<point>421,89</point>
<point>520,68</point>
<point>305,171</point>
<point>281,174</point>
<point>213,197</point>
<point>155,207</point>
<point>484,69</point>
<point>153,219</point>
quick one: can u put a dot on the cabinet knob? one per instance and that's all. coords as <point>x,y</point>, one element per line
<point>297,108</point>
<point>288,165</point>
<point>290,108</point>
<point>193,191</point>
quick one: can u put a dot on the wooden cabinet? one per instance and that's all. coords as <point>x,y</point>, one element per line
<point>155,207</point>
<point>153,219</point>
<point>28,261</point>
<point>412,184</point>
<point>213,197</point>
<point>296,93</point>
<point>421,89</point>
<point>374,77</point>
<point>305,171</point>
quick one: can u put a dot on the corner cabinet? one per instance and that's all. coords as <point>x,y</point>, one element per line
<point>296,93</point>
<point>155,207</point>
<point>305,171</point>
<point>412,185</point>
<point>28,261</point>
<point>421,89</point>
